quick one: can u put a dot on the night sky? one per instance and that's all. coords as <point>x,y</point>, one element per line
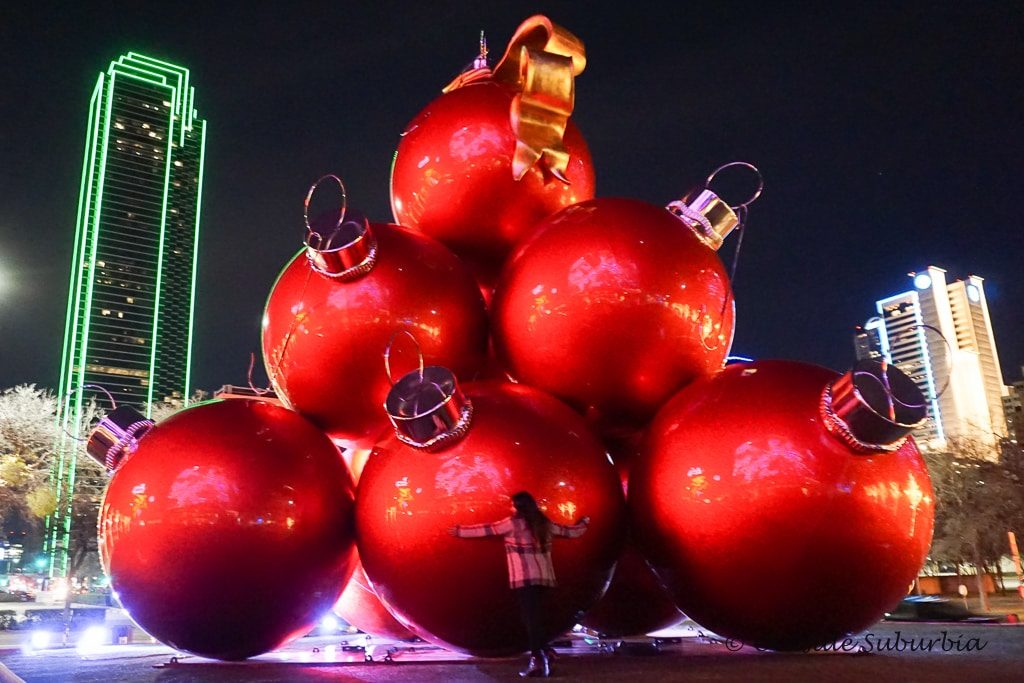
<point>890,138</point>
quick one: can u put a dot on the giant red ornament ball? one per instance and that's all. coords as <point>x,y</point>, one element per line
<point>359,604</point>
<point>455,592</point>
<point>613,305</point>
<point>360,607</point>
<point>766,525</point>
<point>324,333</point>
<point>453,177</point>
<point>229,531</point>
<point>635,602</point>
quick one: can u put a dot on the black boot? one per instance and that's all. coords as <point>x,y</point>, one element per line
<point>539,666</point>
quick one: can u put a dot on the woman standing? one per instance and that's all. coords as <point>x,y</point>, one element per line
<point>527,535</point>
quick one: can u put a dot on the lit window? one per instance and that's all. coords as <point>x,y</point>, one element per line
<point>105,311</point>
<point>120,314</point>
<point>130,299</point>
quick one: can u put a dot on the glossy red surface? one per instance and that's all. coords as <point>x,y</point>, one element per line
<point>360,606</point>
<point>765,527</point>
<point>613,305</point>
<point>324,339</point>
<point>454,591</point>
<point>229,532</point>
<point>636,602</point>
<point>452,177</point>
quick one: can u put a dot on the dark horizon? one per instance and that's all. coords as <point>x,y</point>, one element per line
<point>889,139</point>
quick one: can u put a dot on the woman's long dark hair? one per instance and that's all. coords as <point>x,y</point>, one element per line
<point>526,507</point>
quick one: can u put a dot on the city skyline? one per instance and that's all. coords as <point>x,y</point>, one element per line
<point>879,140</point>
<point>940,334</point>
<point>128,330</point>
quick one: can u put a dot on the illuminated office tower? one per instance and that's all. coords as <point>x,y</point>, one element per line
<point>133,271</point>
<point>940,334</point>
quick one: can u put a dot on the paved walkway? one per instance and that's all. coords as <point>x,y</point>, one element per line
<point>937,653</point>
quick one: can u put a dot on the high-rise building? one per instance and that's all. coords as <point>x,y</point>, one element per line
<point>133,271</point>
<point>940,334</point>
<point>867,340</point>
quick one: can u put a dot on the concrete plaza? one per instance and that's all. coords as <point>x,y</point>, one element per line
<point>935,653</point>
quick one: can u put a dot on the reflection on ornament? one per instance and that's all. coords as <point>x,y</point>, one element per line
<point>497,152</point>
<point>455,592</point>
<point>360,607</point>
<point>324,333</point>
<point>613,305</point>
<point>228,531</point>
<point>635,603</point>
<point>770,524</point>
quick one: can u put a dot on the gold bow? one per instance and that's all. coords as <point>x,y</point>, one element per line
<point>541,61</point>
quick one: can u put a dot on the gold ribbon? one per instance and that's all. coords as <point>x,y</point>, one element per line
<point>541,61</point>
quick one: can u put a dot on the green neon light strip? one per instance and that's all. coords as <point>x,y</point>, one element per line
<point>195,270</point>
<point>65,509</point>
<point>75,261</point>
<point>138,74</point>
<point>78,321</point>
<point>186,101</point>
<point>72,320</point>
<point>93,250</point>
<point>158,294</point>
<point>183,104</point>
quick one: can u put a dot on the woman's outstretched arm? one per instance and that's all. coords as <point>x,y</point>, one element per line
<point>570,531</point>
<point>499,528</point>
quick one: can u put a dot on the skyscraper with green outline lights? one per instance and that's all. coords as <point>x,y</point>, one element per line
<point>131,295</point>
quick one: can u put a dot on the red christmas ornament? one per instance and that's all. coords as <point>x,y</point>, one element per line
<point>614,304</point>
<point>359,604</point>
<point>636,602</point>
<point>495,154</point>
<point>334,309</point>
<point>360,607</point>
<point>780,503</point>
<point>228,529</point>
<point>472,452</point>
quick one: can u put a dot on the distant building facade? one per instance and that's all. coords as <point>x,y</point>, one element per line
<point>940,334</point>
<point>131,295</point>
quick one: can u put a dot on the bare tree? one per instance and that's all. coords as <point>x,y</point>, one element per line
<point>29,438</point>
<point>977,500</point>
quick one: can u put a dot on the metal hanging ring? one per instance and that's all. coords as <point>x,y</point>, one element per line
<point>110,397</point>
<point>387,353</point>
<point>949,357</point>
<point>744,164</point>
<point>309,197</point>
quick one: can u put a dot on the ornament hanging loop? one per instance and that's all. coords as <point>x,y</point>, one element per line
<point>344,251</point>
<point>312,234</point>
<point>753,198</point>
<point>948,354</point>
<point>390,345</point>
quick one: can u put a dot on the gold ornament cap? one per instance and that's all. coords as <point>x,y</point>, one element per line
<point>707,214</point>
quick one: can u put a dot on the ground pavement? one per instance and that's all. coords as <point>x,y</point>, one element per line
<point>936,653</point>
